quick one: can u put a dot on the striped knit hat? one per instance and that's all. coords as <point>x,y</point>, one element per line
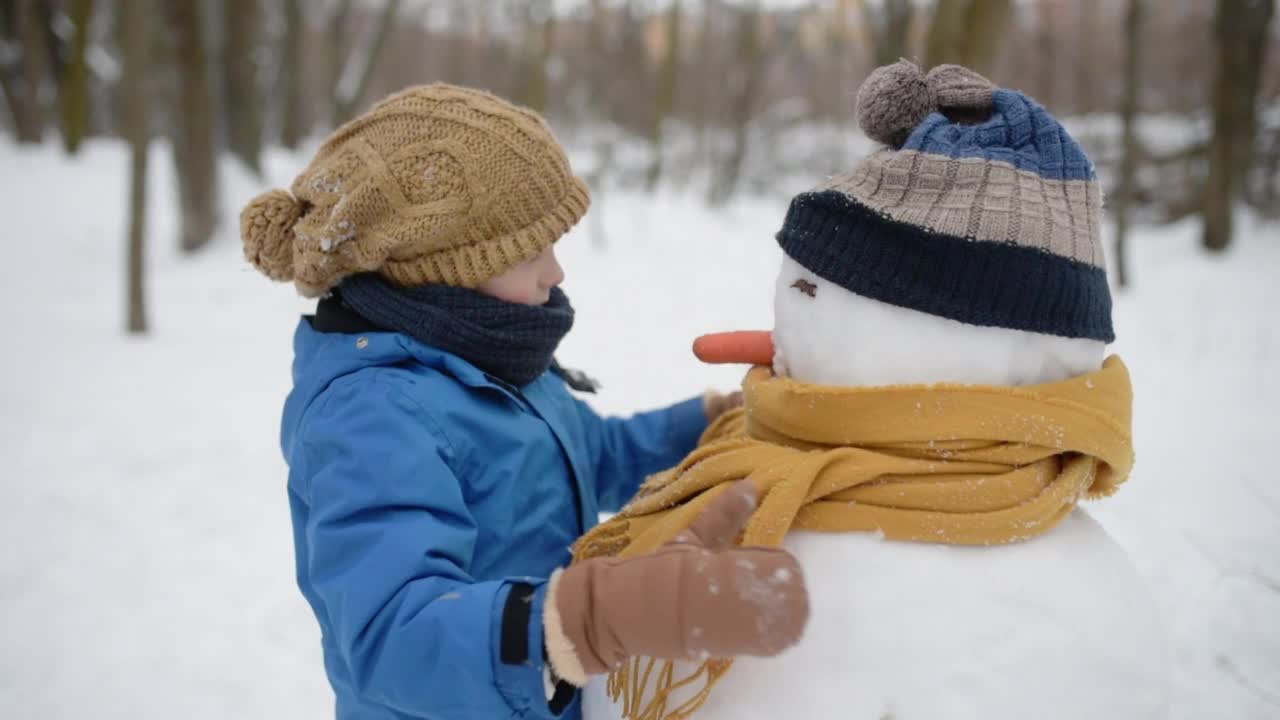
<point>981,209</point>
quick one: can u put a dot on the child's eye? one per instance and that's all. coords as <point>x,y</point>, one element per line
<point>806,287</point>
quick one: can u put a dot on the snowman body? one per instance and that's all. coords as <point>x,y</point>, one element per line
<point>1060,626</point>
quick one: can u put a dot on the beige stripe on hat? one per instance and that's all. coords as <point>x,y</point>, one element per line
<point>980,199</point>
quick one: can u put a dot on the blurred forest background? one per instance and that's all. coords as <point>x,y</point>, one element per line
<point>150,570</point>
<point>1177,101</point>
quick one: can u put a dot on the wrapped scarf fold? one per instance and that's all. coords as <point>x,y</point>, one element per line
<point>953,464</point>
<point>510,341</point>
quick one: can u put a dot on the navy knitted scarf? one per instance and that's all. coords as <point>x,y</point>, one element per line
<point>513,342</point>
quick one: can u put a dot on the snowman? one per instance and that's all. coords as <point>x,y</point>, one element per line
<point>958,267</point>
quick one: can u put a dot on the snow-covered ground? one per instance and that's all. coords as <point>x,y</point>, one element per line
<point>146,569</point>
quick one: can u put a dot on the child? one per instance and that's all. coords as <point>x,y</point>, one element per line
<point>439,469</point>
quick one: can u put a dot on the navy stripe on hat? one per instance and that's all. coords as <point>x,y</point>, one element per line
<point>993,284</point>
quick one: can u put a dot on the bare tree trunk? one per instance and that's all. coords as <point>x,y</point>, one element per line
<point>194,140</point>
<point>479,39</point>
<point>1086,51</point>
<point>24,74</point>
<point>1189,60</point>
<point>73,89</point>
<point>354,83</point>
<point>1266,195</point>
<point>337,53</point>
<point>135,43</point>
<point>665,101</point>
<point>459,42</point>
<point>9,65</point>
<point>242,20</point>
<point>826,59</point>
<point>748,68</point>
<point>892,22</point>
<point>987,21</point>
<point>291,126</point>
<point>596,79</point>
<point>630,101</point>
<point>44,64</point>
<point>539,39</point>
<point>832,85</point>
<point>965,32</point>
<point>1129,108</point>
<point>1240,32</point>
<point>52,44</point>
<point>706,83</point>
<point>946,26</point>
<point>1047,57</point>
<point>544,59</point>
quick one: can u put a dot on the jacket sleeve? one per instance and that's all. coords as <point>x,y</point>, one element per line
<point>390,542</point>
<point>626,451</point>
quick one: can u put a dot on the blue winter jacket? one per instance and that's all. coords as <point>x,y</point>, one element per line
<point>430,502</point>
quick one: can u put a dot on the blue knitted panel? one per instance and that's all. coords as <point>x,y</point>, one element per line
<point>1020,132</point>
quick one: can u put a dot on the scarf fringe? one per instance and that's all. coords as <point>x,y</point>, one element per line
<point>628,687</point>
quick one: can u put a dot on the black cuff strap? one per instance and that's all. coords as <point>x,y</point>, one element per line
<point>514,645</point>
<point>559,702</point>
<point>564,692</point>
<point>517,613</point>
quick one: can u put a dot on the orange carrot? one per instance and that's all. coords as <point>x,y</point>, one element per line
<point>752,347</point>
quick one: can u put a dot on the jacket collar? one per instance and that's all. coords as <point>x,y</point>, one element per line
<point>347,352</point>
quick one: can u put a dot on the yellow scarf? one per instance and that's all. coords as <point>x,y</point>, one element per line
<point>954,464</point>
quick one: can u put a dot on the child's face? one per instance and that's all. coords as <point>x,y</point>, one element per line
<point>528,283</point>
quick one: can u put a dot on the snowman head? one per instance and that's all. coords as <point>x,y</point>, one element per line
<point>966,250</point>
<point>827,335</point>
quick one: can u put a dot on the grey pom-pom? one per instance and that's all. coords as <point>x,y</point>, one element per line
<point>893,101</point>
<point>959,88</point>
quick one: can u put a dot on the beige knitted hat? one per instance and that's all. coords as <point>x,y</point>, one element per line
<point>435,184</point>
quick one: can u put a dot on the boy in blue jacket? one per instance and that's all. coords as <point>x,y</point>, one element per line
<point>439,469</point>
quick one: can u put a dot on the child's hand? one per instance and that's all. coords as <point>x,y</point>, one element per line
<point>716,404</point>
<point>698,596</point>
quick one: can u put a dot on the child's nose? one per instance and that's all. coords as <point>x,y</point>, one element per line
<point>555,273</point>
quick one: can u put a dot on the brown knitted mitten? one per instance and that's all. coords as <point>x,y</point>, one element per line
<point>696,597</point>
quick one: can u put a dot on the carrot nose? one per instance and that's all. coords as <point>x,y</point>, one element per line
<point>751,347</point>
